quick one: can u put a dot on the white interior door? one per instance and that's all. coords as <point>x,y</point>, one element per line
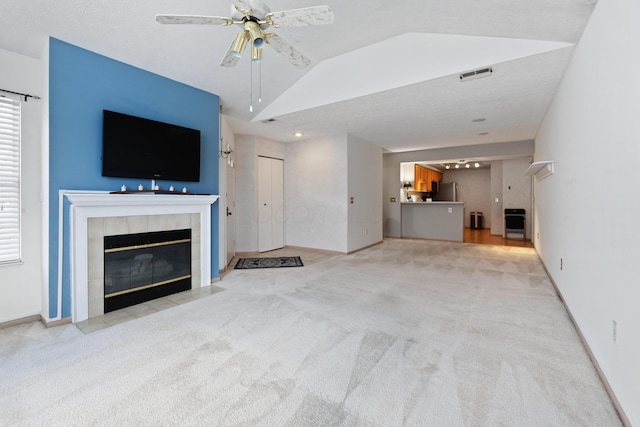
<point>270,204</point>
<point>277,203</point>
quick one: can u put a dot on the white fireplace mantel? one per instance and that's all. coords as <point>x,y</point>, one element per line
<point>87,205</point>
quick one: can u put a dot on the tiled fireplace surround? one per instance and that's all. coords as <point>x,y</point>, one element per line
<point>95,215</point>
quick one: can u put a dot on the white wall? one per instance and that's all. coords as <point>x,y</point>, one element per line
<point>319,177</point>
<point>21,284</point>
<point>587,212</point>
<point>474,189</point>
<point>365,186</point>
<point>227,195</point>
<point>497,215</point>
<point>316,176</point>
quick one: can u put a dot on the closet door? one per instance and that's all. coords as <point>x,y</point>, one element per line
<point>270,204</point>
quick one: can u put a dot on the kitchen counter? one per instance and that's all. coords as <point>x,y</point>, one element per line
<point>433,220</point>
<point>433,203</point>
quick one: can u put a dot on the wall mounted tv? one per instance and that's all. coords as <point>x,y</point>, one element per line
<point>133,147</point>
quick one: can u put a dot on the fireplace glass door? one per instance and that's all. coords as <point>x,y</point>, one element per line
<point>144,266</point>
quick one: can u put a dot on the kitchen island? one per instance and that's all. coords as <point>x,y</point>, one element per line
<point>433,220</point>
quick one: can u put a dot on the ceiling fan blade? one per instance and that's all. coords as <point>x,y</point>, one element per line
<point>229,60</point>
<point>316,15</point>
<point>291,54</point>
<point>242,5</point>
<point>193,19</point>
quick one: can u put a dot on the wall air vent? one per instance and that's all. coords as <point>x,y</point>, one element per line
<point>476,74</point>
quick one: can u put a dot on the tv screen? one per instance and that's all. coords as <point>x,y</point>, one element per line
<point>133,147</point>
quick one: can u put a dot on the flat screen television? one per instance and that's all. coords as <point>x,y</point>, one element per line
<point>133,147</point>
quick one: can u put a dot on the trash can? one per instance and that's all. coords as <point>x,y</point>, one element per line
<point>476,220</point>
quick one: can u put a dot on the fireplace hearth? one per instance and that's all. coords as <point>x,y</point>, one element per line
<point>144,266</point>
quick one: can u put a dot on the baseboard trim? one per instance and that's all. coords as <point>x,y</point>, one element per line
<point>623,416</point>
<point>364,247</point>
<point>326,251</point>
<point>302,248</point>
<point>53,323</point>
<point>27,319</point>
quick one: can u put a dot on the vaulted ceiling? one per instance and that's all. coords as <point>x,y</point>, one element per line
<point>387,72</point>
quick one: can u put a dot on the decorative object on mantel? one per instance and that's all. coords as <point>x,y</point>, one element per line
<point>541,169</point>
<point>184,191</point>
<point>274,262</point>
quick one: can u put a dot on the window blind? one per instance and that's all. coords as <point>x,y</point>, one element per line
<point>9,180</point>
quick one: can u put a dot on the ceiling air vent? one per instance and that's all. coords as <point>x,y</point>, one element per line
<point>476,74</point>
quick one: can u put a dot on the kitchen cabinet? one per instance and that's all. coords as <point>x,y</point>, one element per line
<point>429,180</point>
<point>424,177</point>
<point>421,175</point>
<point>417,178</point>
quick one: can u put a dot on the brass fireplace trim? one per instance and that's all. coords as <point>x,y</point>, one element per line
<point>151,285</point>
<point>148,245</point>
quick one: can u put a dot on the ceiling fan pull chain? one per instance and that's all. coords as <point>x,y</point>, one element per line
<point>251,87</point>
<point>260,82</point>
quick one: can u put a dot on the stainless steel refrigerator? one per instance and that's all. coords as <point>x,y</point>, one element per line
<point>447,192</point>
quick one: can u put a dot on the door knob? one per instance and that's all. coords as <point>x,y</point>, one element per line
<point>228,211</point>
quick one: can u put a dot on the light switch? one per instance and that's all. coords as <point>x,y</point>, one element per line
<point>497,200</point>
<point>450,210</point>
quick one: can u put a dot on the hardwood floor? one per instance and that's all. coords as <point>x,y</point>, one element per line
<point>483,237</point>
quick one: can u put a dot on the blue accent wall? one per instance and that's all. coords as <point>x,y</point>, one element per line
<point>81,85</point>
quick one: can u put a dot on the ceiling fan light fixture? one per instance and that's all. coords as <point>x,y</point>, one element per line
<point>239,43</point>
<point>256,54</point>
<point>255,33</point>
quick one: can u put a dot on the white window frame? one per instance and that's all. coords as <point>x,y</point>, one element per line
<point>10,176</point>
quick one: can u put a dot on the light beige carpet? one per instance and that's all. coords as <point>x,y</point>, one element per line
<point>404,333</point>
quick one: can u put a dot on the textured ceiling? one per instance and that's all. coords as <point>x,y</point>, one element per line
<point>408,97</point>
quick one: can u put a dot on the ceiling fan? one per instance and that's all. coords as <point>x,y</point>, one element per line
<point>255,18</point>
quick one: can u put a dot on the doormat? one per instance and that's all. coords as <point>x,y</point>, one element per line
<point>275,262</point>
